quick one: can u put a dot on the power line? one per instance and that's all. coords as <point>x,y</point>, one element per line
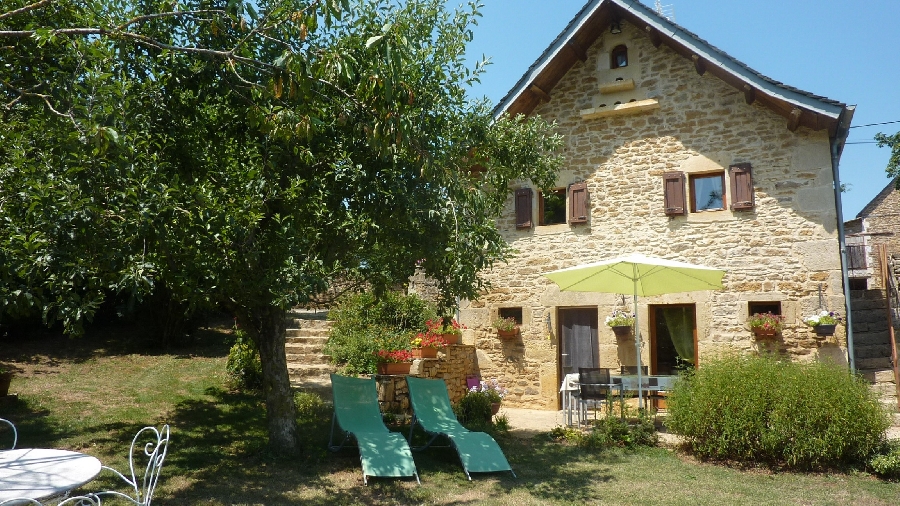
<point>862,142</point>
<point>875,124</point>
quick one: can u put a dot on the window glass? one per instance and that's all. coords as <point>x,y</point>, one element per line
<point>708,192</point>
<point>553,207</point>
<point>763,307</point>
<point>511,312</point>
<point>618,57</point>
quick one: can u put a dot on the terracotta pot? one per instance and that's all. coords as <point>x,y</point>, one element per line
<point>450,338</point>
<point>621,331</point>
<point>394,368</point>
<point>495,408</point>
<point>425,352</point>
<point>5,380</point>
<point>824,330</point>
<point>762,333</point>
<point>508,334</point>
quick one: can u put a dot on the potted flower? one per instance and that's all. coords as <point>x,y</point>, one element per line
<point>482,401</point>
<point>620,322</point>
<point>765,324</point>
<point>447,328</point>
<point>394,361</point>
<point>507,328</point>
<point>823,323</point>
<point>5,379</point>
<point>426,345</point>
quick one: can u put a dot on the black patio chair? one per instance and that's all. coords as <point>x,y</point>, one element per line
<point>594,386</point>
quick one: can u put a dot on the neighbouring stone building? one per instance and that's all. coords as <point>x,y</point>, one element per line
<point>672,149</point>
<point>876,224</point>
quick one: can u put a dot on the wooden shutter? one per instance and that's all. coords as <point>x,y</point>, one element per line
<point>579,207</point>
<point>523,208</point>
<point>741,187</point>
<point>673,188</point>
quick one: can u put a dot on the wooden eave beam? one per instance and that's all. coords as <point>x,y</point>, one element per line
<point>699,64</point>
<point>577,50</point>
<point>541,94</point>
<point>794,119</point>
<point>749,94</point>
<point>653,35</point>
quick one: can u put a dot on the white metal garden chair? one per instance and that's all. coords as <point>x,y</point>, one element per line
<point>155,444</point>
<point>81,500</point>
<point>15,434</point>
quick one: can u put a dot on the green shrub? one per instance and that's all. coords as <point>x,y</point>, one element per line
<point>243,367</point>
<point>886,462</point>
<point>629,431</point>
<point>362,324</point>
<point>311,409</point>
<point>474,408</point>
<point>761,410</point>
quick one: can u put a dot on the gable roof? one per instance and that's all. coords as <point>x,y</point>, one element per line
<point>873,204</point>
<point>799,107</point>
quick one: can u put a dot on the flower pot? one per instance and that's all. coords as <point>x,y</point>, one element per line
<point>508,334</point>
<point>425,352</point>
<point>621,331</point>
<point>5,379</point>
<point>762,333</point>
<point>394,368</point>
<point>824,330</point>
<point>450,338</point>
<point>495,408</point>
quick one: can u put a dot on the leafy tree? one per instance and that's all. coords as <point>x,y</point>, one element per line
<point>893,142</point>
<point>246,154</point>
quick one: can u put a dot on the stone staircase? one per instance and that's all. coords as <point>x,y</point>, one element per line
<point>308,367</point>
<point>872,343</point>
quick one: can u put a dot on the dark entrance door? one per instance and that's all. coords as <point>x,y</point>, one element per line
<point>578,339</point>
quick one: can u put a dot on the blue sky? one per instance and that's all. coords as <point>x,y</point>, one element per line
<point>846,51</point>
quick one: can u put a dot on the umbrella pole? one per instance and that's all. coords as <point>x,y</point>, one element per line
<point>637,343</point>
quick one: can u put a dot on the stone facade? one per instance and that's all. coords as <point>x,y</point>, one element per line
<point>784,250</point>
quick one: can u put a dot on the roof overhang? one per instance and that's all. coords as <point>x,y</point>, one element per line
<point>798,107</point>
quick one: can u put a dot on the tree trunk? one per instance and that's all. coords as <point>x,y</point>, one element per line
<point>267,328</point>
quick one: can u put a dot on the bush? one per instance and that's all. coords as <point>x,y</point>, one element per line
<point>474,407</point>
<point>886,463</point>
<point>311,409</point>
<point>243,368</point>
<point>628,431</point>
<point>363,324</point>
<point>761,410</point>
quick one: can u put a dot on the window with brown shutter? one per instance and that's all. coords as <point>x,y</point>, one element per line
<point>673,188</point>
<point>741,187</point>
<point>579,207</point>
<point>523,208</point>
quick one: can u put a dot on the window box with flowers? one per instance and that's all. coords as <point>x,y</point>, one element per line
<point>426,345</point>
<point>621,323</point>
<point>446,328</point>
<point>765,325</point>
<point>507,328</point>
<point>393,362</point>
<point>824,323</point>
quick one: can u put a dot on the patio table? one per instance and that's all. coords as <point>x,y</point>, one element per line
<point>570,385</point>
<point>38,473</point>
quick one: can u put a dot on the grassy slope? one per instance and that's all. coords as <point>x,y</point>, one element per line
<point>93,394</point>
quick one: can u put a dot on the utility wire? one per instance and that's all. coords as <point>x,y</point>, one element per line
<point>862,142</point>
<point>875,124</point>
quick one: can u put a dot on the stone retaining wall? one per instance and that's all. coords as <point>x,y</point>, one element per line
<point>453,365</point>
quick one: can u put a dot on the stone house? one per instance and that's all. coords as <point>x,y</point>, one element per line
<point>875,225</point>
<point>677,150</point>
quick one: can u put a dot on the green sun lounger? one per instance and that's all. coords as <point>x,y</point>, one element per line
<point>477,451</point>
<point>383,453</point>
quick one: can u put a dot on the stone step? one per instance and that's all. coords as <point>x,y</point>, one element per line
<point>878,375</point>
<point>872,351</point>
<point>317,385</point>
<point>866,364</point>
<point>307,358</point>
<point>304,332</point>
<point>308,370</point>
<point>316,340</point>
<point>882,337</point>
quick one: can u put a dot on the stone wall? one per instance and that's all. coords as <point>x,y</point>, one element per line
<point>453,365</point>
<point>784,250</point>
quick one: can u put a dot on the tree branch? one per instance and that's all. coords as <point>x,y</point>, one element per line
<point>24,9</point>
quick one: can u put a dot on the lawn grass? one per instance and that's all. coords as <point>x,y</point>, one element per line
<point>94,393</point>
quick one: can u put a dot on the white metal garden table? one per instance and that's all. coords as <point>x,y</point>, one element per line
<point>37,473</point>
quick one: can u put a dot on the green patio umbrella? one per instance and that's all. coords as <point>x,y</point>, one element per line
<point>637,274</point>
